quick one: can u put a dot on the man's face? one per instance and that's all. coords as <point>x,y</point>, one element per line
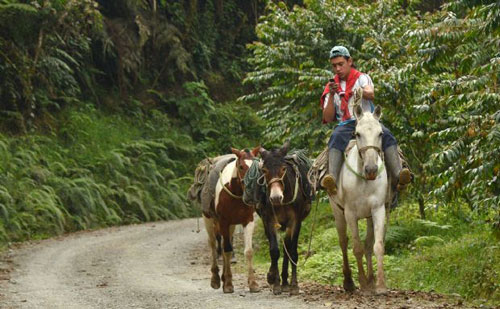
<point>341,66</point>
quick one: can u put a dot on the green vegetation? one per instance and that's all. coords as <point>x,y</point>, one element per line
<point>442,254</point>
<point>106,107</point>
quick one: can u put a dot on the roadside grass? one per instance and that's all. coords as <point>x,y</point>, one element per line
<point>442,254</point>
<point>97,170</point>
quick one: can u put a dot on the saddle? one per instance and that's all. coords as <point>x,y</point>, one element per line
<point>319,167</point>
<point>206,175</point>
<point>255,189</point>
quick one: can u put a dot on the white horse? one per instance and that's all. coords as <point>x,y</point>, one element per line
<point>363,192</point>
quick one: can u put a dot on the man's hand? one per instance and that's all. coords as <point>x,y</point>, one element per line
<point>332,85</point>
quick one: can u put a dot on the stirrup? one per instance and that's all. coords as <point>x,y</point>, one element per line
<point>404,179</point>
<point>328,182</point>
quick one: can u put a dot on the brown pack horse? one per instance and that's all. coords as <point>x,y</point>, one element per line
<point>287,203</point>
<point>227,210</point>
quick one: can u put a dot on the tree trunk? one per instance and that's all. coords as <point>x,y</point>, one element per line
<point>421,207</point>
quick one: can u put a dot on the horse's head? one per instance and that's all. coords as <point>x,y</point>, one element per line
<point>274,169</point>
<point>244,161</point>
<point>369,140</point>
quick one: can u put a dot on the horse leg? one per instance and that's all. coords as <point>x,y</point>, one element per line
<point>294,289</point>
<point>211,231</point>
<point>369,241</point>
<point>285,287</point>
<point>341,226</point>
<point>219,246</point>
<point>378,223</point>
<point>358,249</point>
<point>248,232</point>
<point>273,274</point>
<point>227,277</point>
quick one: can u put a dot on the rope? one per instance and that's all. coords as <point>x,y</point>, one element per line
<point>308,254</point>
<point>318,167</point>
<point>227,190</point>
<point>252,182</point>
<point>200,178</point>
<point>296,190</point>
<point>349,167</point>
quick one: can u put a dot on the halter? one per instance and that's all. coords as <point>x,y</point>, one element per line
<point>361,151</point>
<point>237,166</point>
<point>280,179</point>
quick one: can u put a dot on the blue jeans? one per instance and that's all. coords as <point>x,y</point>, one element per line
<point>343,134</point>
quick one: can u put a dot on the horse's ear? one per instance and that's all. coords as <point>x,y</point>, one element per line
<point>255,151</point>
<point>263,152</point>
<point>237,152</point>
<point>358,112</point>
<point>377,113</point>
<point>285,147</point>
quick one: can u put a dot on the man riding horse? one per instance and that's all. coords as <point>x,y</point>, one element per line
<point>337,103</point>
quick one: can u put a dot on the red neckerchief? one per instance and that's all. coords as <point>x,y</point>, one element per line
<point>351,80</point>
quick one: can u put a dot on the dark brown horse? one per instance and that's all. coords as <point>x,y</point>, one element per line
<point>227,210</point>
<point>287,203</point>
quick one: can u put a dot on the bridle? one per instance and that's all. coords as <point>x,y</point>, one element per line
<point>361,152</point>
<point>237,166</point>
<point>266,183</point>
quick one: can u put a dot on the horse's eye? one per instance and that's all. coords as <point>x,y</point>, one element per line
<point>240,167</point>
<point>358,135</point>
<point>381,133</point>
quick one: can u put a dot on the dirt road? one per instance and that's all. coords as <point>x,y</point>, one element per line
<point>156,265</point>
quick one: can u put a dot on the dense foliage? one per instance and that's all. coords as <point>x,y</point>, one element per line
<point>106,107</point>
<point>436,76</point>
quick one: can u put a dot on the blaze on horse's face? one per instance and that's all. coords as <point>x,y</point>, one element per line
<point>369,140</point>
<point>274,169</point>
<point>244,161</point>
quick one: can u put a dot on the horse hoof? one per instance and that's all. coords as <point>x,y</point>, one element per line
<point>294,290</point>
<point>277,289</point>
<point>215,283</point>
<point>270,278</point>
<point>228,289</point>
<point>381,291</point>
<point>254,288</point>
<point>285,288</point>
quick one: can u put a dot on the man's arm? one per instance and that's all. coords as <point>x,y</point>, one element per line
<point>368,92</point>
<point>329,110</point>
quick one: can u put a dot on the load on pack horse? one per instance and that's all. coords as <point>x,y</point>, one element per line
<point>223,208</point>
<point>285,202</point>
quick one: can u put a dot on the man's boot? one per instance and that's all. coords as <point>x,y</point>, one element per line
<point>400,176</point>
<point>329,181</point>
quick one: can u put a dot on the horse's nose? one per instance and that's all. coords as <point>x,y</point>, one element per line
<point>276,198</point>
<point>276,195</point>
<point>371,172</point>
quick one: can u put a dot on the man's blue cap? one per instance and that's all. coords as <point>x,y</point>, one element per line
<point>339,51</point>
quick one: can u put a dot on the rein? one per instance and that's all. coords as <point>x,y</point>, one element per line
<point>360,151</point>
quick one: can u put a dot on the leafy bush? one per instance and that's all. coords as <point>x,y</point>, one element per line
<point>103,170</point>
<point>467,265</point>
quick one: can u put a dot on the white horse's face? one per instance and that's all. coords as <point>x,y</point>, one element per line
<point>369,140</point>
